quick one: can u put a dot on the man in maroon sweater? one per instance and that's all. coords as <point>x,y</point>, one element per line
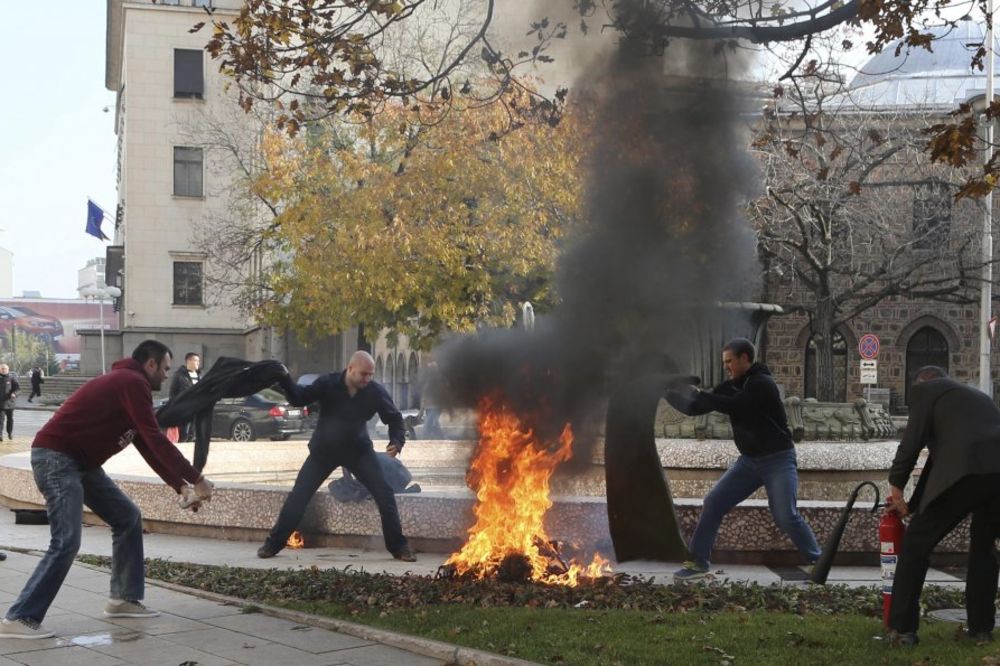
<point>102,418</point>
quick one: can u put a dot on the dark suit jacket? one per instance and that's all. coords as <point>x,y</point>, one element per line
<point>959,425</point>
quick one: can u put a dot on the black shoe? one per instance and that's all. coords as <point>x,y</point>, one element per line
<point>265,551</point>
<point>405,554</point>
<point>904,639</point>
<point>3,556</point>
<point>979,636</point>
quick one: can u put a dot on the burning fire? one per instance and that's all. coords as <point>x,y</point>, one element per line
<point>295,540</point>
<point>510,476</point>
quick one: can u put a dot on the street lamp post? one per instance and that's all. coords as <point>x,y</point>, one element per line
<point>986,295</point>
<point>99,294</point>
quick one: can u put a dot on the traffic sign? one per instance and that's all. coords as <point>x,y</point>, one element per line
<point>868,346</point>
<point>869,372</point>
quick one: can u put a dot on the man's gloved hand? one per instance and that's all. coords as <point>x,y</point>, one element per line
<point>189,499</point>
<point>203,488</point>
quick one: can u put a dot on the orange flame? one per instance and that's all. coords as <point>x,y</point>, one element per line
<point>510,475</point>
<point>295,540</point>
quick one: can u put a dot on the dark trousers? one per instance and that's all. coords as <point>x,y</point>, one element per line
<point>314,472</point>
<point>35,391</point>
<point>7,414</point>
<point>201,432</point>
<point>978,494</point>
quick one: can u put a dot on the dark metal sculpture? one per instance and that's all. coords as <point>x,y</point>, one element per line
<point>822,567</point>
<point>641,513</point>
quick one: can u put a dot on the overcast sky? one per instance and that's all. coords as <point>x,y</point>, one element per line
<point>57,145</point>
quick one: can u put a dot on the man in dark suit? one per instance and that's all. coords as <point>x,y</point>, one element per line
<point>347,401</point>
<point>186,376</point>
<point>960,426</point>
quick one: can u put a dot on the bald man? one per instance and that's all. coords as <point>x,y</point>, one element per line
<point>347,401</point>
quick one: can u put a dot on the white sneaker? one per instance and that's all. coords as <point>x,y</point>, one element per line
<point>122,608</point>
<point>23,629</point>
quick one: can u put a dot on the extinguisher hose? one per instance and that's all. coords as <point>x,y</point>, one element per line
<point>821,569</point>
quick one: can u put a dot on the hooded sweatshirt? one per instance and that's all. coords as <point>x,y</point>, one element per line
<point>753,403</point>
<point>107,414</point>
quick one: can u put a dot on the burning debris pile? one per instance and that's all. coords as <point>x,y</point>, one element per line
<point>510,475</point>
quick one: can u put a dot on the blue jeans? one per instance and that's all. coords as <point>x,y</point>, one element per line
<point>66,487</point>
<point>778,473</point>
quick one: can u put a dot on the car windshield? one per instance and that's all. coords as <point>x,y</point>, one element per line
<point>272,395</point>
<point>22,311</point>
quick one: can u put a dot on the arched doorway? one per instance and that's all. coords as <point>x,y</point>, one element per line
<point>379,370</point>
<point>403,386</point>
<point>927,346</point>
<point>414,378</point>
<point>839,368</point>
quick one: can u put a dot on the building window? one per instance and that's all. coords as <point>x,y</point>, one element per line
<point>926,347</point>
<point>839,368</point>
<point>931,215</point>
<point>188,172</point>
<point>189,76</point>
<point>201,3</point>
<point>187,283</point>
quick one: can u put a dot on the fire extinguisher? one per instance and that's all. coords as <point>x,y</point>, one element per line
<point>890,536</point>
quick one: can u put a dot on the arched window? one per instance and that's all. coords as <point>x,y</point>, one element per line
<point>413,376</point>
<point>839,368</point>
<point>402,394</point>
<point>390,376</point>
<point>379,370</point>
<point>925,347</point>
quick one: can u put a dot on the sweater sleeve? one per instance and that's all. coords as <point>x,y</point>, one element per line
<point>163,457</point>
<point>299,395</point>
<point>392,417</point>
<point>729,400</point>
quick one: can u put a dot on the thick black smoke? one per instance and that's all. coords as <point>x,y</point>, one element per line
<point>665,240</point>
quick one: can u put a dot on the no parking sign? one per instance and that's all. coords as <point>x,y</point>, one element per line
<point>868,346</point>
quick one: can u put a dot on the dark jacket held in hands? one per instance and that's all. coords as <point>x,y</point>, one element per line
<point>753,403</point>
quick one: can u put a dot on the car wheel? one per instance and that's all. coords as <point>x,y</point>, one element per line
<point>242,431</point>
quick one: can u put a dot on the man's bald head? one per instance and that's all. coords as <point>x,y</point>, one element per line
<point>360,370</point>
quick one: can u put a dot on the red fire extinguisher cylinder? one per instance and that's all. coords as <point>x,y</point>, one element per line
<point>890,536</point>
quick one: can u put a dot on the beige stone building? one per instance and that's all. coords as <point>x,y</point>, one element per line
<point>170,181</point>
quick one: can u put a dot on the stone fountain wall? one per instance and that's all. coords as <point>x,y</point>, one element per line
<point>438,518</point>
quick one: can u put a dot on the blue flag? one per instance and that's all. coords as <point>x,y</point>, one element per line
<point>95,215</point>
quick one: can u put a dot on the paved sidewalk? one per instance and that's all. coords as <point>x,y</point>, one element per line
<point>189,631</point>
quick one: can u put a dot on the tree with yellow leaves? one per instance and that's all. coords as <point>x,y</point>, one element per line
<point>419,229</point>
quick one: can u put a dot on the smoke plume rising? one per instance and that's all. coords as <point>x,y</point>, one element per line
<point>665,239</point>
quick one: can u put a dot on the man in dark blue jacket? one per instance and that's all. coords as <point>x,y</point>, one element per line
<point>767,456</point>
<point>347,400</point>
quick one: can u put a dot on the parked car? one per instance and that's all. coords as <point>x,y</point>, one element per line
<point>263,414</point>
<point>25,319</point>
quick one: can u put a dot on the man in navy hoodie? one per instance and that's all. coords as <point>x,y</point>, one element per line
<point>767,455</point>
<point>100,419</point>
